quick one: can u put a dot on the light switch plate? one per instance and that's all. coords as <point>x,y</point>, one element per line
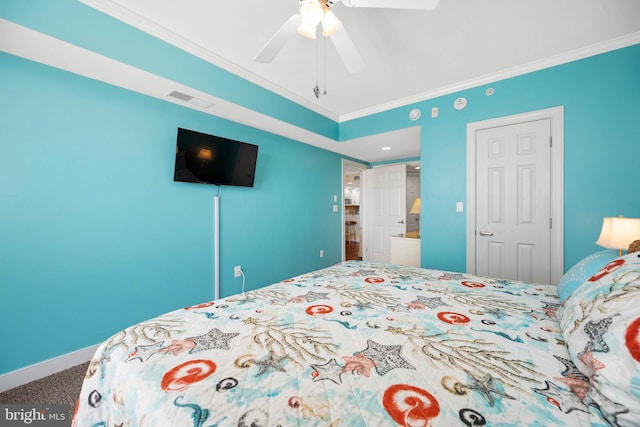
<point>459,207</point>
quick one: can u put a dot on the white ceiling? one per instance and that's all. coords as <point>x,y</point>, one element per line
<point>407,52</point>
<point>410,55</point>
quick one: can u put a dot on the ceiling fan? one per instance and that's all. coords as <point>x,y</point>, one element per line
<point>314,12</point>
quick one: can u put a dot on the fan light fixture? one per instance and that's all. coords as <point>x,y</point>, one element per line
<point>330,24</point>
<point>313,12</point>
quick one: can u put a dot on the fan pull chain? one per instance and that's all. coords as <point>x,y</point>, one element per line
<point>324,59</point>
<point>316,89</point>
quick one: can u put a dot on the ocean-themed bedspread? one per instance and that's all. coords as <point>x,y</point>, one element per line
<point>356,344</point>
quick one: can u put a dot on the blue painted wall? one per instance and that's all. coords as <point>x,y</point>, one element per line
<point>94,233</point>
<point>81,25</point>
<point>602,147</point>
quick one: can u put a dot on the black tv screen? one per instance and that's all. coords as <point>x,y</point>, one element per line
<point>212,159</point>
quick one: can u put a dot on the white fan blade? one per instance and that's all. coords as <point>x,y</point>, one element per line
<point>347,50</point>
<point>278,40</point>
<point>394,4</point>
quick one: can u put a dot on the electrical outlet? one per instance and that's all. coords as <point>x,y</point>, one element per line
<point>321,253</point>
<point>237,271</point>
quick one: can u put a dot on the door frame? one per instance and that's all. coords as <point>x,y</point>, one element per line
<point>556,116</point>
<point>361,167</point>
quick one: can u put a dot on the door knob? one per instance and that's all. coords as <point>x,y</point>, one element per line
<point>485,233</point>
<point>401,221</point>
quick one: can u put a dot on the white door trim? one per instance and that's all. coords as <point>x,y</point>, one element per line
<point>349,163</point>
<point>556,115</point>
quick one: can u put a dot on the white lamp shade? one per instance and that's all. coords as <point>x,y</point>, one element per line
<point>618,232</point>
<point>415,209</point>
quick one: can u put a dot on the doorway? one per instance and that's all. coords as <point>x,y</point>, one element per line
<point>352,209</point>
<point>389,207</point>
<point>515,197</point>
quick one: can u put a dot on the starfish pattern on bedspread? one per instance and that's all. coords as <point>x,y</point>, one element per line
<point>361,305</point>
<point>570,368</point>
<point>386,357</point>
<point>312,296</point>
<point>577,382</point>
<point>487,388</point>
<point>452,276</point>
<point>399,308</point>
<point>214,339</point>
<point>246,299</point>
<point>144,352</point>
<point>359,344</point>
<point>610,410</point>
<point>553,306</point>
<point>359,364</point>
<point>363,273</point>
<point>178,346</point>
<point>567,401</point>
<point>595,331</point>
<point>270,363</point>
<point>431,302</point>
<point>328,371</point>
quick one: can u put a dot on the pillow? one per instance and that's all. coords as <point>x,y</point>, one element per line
<point>582,271</point>
<point>600,323</point>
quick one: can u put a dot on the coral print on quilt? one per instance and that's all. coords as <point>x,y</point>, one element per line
<point>355,344</point>
<point>601,323</point>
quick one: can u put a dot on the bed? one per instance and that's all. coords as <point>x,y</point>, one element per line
<point>367,344</point>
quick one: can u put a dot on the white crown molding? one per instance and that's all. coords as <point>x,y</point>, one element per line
<point>552,61</point>
<point>35,46</point>
<point>129,17</point>
<point>43,369</point>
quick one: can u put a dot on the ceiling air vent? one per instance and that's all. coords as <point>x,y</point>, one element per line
<point>190,99</point>
<point>180,95</point>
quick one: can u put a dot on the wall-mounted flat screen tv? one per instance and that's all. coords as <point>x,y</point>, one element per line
<point>209,159</point>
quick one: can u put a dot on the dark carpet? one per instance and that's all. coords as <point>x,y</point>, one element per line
<point>62,388</point>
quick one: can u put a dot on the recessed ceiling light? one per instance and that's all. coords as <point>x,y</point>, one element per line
<point>386,148</point>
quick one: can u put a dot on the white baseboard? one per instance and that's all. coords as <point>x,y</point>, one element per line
<point>43,369</point>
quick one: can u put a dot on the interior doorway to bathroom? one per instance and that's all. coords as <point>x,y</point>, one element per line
<point>356,241</point>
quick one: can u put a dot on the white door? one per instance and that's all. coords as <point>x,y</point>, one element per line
<point>513,202</point>
<point>385,211</point>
